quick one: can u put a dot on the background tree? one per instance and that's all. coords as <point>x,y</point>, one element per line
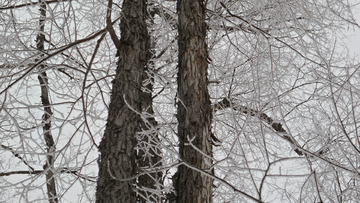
<point>73,87</point>
<point>273,80</point>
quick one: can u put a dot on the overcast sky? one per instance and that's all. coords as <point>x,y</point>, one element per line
<point>354,33</point>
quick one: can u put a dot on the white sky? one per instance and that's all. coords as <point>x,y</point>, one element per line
<point>354,33</point>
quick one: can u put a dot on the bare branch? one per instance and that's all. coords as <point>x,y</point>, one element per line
<point>31,4</point>
<point>18,156</point>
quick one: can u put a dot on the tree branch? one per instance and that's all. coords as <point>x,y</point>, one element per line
<point>31,4</point>
<point>18,156</point>
<point>36,172</point>
<point>109,26</point>
<point>226,103</point>
<point>60,50</point>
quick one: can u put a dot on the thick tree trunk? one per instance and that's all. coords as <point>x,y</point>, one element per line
<point>46,118</point>
<point>117,165</point>
<point>194,108</point>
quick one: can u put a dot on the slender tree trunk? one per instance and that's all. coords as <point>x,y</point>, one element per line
<point>46,118</point>
<point>117,166</point>
<point>194,108</point>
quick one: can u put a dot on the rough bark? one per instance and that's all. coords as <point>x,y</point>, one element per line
<point>46,118</point>
<point>194,108</point>
<point>117,164</point>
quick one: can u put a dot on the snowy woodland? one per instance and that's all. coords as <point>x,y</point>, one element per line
<point>222,101</point>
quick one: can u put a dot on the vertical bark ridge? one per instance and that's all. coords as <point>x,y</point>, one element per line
<point>194,108</point>
<point>46,118</point>
<point>117,165</point>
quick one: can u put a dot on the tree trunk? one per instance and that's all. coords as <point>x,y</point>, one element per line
<point>117,164</point>
<point>194,106</point>
<point>46,118</point>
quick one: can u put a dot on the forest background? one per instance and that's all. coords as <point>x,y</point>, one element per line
<point>283,85</point>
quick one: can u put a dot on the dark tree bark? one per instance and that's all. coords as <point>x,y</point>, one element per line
<point>46,118</point>
<point>117,165</point>
<point>194,107</point>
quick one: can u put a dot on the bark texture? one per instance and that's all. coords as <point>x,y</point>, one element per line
<point>46,118</point>
<point>117,165</point>
<point>194,107</point>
